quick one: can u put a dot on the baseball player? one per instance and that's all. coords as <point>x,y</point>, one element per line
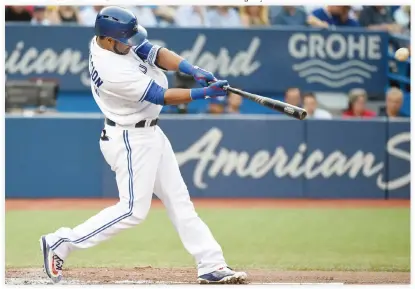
<point>130,88</point>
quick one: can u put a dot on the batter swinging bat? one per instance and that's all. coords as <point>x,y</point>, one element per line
<point>288,109</point>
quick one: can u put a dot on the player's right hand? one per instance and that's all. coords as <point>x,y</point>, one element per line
<point>216,88</point>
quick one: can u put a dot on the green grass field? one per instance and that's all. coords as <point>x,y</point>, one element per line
<point>285,239</point>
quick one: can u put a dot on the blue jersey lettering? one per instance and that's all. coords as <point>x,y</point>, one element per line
<point>95,76</point>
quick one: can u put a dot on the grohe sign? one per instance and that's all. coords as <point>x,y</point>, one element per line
<point>315,60</point>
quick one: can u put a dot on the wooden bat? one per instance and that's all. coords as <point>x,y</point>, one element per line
<point>288,109</point>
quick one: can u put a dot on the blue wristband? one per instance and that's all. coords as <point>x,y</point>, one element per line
<point>186,67</point>
<point>198,93</point>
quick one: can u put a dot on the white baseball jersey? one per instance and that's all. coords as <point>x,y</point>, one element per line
<point>119,84</point>
<point>143,161</point>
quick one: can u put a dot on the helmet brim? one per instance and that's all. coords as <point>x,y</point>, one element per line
<point>137,39</point>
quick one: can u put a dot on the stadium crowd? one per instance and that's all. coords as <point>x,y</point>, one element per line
<point>392,19</point>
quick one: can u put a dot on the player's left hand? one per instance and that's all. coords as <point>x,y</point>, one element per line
<point>203,77</point>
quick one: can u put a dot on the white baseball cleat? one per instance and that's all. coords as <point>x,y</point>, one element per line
<point>223,275</point>
<point>52,264</point>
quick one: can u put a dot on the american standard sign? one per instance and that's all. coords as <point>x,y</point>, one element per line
<point>213,159</point>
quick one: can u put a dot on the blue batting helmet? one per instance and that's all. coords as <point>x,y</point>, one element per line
<point>119,24</point>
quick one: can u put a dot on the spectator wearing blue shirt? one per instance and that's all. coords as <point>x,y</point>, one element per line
<point>191,16</point>
<point>223,16</point>
<point>290,15</point>
<point>216,105</point>
<point>332,16</point>
<point>230,104</point>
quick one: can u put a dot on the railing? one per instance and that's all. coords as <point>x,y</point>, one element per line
<point>402,69</point>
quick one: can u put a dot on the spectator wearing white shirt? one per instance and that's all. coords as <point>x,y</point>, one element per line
<point>88,15</point>
<point>191,16</point>
<point>145,15</point>
<point>39,16</point>
<point>310,105</point>
<point>224,16</point>
<point>402,16</point>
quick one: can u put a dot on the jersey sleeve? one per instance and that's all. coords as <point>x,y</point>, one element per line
<point>147,52</point>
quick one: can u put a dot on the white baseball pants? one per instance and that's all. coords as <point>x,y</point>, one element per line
<point>144,162</point>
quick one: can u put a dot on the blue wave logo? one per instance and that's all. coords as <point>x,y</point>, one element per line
<point>334,75</point>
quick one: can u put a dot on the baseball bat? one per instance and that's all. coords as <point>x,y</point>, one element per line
<point>288,109</point>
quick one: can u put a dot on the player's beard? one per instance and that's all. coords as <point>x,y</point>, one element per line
<point>120,52</point>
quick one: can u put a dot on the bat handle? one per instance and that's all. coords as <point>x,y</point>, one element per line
<point>224,88</point>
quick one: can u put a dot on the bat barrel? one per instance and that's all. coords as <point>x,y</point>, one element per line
<point>288,109</point>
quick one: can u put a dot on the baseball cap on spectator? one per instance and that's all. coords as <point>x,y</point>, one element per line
<point>217,105</point>
<point>218,100</point>
<point>38,8</point>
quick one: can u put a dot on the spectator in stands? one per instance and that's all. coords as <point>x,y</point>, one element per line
<point>17,14</point>
<point>68,14</point>
<point>293,96</point>
<point>254,15</point>
<point>394,100</point>
<point>402,17</point>
<point>234,103</point>
<point>191,16</point>
<point>379,18</point>
<point>64,14</point>
<point>273,11</point>
<point>217,105</point>
<point>290,15</point>
<point>355,12</point>
<point>145,15</point>
<point>310,8</point>
<point>357,105</point>
<point>165,15</point>
<point>310,105</point>
<point>39,16</point>
<point>223,16</point>
<point>331,16</point>
<point>228,104</point>
<point>88,14</point>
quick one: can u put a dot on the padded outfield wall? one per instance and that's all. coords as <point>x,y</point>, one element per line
<point>229,157</point>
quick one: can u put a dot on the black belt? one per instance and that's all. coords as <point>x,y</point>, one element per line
<point>137,125</point>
